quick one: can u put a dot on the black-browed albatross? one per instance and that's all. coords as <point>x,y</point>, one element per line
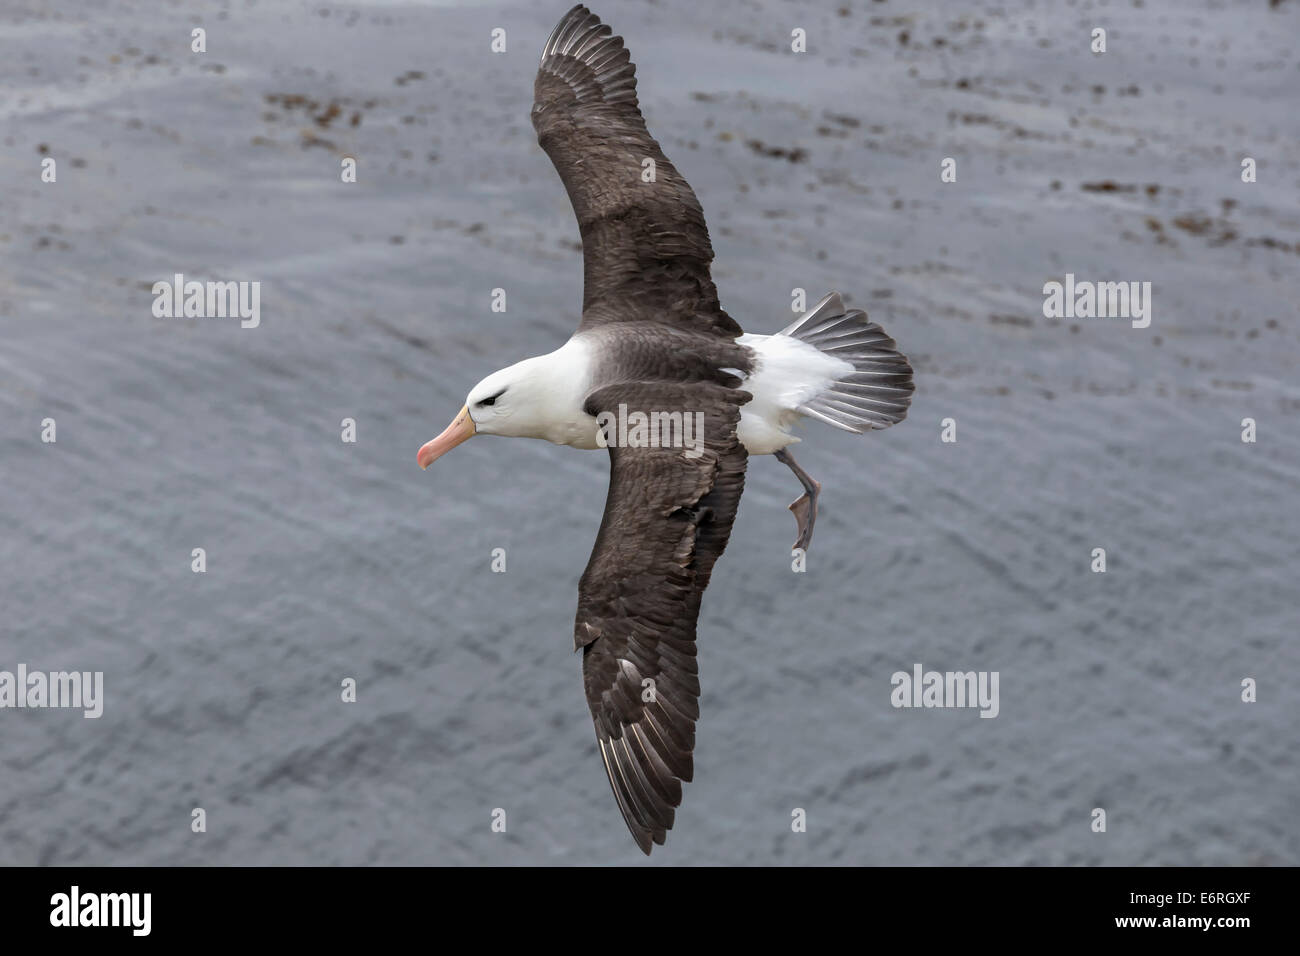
<point>653,339</point>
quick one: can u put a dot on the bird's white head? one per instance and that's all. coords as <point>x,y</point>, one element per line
<point>527,400</point>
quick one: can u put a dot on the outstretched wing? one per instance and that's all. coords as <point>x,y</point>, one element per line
<point>667,520</point>
<point>643,234</point>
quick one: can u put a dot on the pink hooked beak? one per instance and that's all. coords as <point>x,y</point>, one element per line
<point>461,429</point>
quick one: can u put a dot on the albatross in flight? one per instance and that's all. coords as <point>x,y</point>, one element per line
<point>653,340</point>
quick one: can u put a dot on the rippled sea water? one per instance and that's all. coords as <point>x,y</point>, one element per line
<point>820,170</point>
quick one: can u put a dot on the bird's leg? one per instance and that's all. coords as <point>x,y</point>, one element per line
<point>805,508</point>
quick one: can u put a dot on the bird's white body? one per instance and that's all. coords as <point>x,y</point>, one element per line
<point>787,373</point>
<point>542,397</point>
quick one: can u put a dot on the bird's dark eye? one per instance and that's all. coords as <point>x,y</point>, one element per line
<point>492,400</point>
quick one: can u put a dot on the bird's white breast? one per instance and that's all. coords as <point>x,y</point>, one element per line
<point>569,372</point>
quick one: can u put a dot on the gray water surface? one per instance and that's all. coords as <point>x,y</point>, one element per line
<point>328,560</point>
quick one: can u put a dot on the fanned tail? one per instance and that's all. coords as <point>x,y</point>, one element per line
<point>877,392</point>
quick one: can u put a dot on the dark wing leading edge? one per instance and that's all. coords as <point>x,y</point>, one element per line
<point>643,241</point>
<point>667,520</point>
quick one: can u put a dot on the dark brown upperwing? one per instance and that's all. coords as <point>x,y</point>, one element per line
<point>641,241</point>
<point>667,520</point>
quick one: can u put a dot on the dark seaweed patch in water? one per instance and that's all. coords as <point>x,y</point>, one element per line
<point>843,119</point>
<point>324,119</point>
<point>322,112</point>
<point>310,139</point>
<point>1158,228</point>
<point>795,154</point>
<point>1268,242</point>
<point>1196,225</point>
